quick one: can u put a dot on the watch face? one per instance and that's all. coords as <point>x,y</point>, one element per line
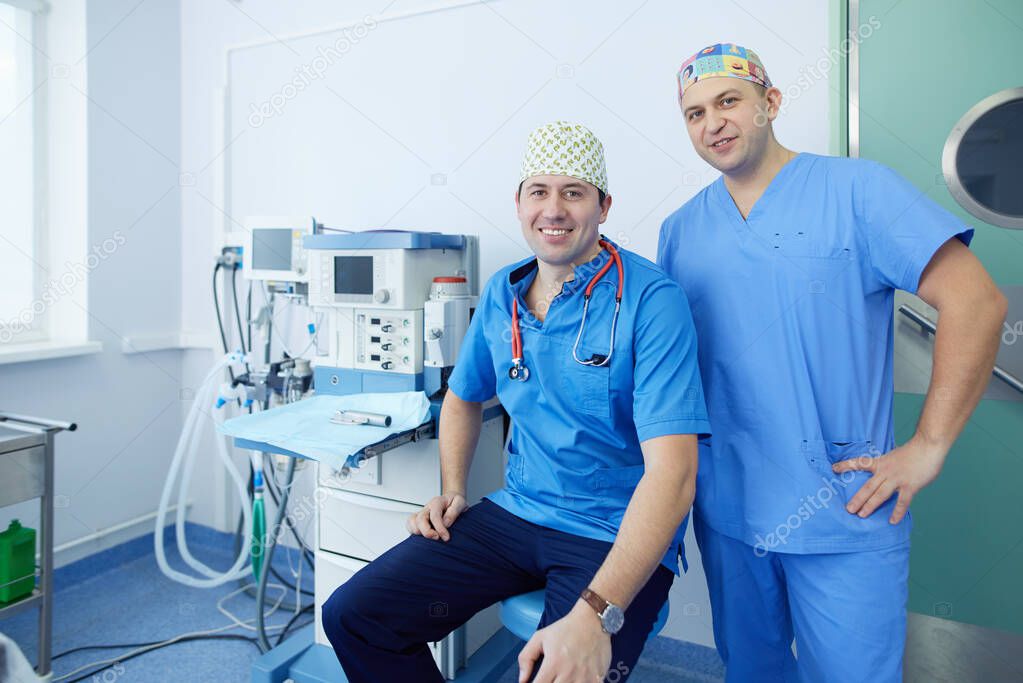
<point>612,619</point>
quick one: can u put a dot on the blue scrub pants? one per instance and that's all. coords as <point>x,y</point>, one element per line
<point>381,619</point>
<point>847,612</point>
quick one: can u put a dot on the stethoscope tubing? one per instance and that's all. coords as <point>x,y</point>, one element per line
<point>519,371</point>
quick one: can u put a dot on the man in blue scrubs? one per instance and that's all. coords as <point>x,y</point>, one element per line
<point>601,459</point>
<point>790,262</point>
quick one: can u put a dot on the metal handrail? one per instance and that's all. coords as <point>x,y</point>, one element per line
<point>47,425</point>
<point>930,326</point>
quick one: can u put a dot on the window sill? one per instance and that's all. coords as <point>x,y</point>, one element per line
<point>23,353</point>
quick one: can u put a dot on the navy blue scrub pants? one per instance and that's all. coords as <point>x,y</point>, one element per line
<point>381,619</point>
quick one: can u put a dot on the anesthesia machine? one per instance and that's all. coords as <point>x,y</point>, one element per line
<point>388,312</point>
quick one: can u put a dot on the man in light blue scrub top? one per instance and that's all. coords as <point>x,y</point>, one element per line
<point>790,262</point>
<point>601,460</point>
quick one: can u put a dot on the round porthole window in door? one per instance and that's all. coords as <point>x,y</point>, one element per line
<point>983,159</point>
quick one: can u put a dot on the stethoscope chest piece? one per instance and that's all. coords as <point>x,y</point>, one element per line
<point>519,372</point>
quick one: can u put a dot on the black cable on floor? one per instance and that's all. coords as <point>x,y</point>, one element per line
<point>83,648</point>
<point>185,639</point>
<point>291,622</point>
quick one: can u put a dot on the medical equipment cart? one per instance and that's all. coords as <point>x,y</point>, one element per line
<point>26,470</point>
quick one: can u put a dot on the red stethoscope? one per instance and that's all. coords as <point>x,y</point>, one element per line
<point>519,371</point>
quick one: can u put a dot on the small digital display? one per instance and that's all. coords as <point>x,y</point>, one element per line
<point>271,249</point>
<point>353,274</point>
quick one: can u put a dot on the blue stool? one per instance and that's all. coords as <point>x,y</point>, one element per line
<point>521,615</point>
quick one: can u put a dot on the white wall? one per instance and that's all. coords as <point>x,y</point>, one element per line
<point>514,65</point>
<point>127,406</point>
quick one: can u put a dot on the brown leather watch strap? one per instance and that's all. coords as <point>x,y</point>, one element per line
<point>595,601</point>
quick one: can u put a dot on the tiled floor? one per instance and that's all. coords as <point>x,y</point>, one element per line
<point>120,596</point>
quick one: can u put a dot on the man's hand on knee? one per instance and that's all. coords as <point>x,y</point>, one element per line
<point>437,516</point>
<point>575,649</point>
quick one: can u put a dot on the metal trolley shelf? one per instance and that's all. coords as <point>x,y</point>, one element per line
<point>26,470</point>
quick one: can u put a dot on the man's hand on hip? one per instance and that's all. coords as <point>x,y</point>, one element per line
<point>903,470</point>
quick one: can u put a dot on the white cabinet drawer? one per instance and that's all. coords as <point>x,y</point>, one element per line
<point>360,526</point>
<point>331,572</point>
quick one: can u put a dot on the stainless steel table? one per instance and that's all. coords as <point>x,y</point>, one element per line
<point>26,472</point>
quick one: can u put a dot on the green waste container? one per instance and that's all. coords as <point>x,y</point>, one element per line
<point>17,562</point>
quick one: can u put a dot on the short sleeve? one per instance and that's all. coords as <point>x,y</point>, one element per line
<point>668,396</point>
<point>904,227</point>
<point>473,378</point>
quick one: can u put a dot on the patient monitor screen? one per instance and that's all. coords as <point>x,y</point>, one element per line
<point>353,274</point>
<point>271,249</point>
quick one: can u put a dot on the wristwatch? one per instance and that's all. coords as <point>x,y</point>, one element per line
<point>612,618</point>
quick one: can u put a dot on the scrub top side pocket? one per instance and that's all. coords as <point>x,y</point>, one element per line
<point>822,454</point>
<point>626,478</point>
<point>514,473</point>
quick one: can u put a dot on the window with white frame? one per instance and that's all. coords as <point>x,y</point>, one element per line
<point>23,311</point>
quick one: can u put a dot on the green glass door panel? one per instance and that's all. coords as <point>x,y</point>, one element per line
<point>928,63</point>
<point>967,557</point>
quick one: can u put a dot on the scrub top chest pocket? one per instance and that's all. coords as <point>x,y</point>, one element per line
<point>588,386</point>
<point>809,242</point>
<point>800,243</point>
<point>818,262</point>
<point>591,352</point>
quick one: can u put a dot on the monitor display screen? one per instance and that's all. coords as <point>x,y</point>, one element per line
<point>353,274</point>
<point>271,249</point>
